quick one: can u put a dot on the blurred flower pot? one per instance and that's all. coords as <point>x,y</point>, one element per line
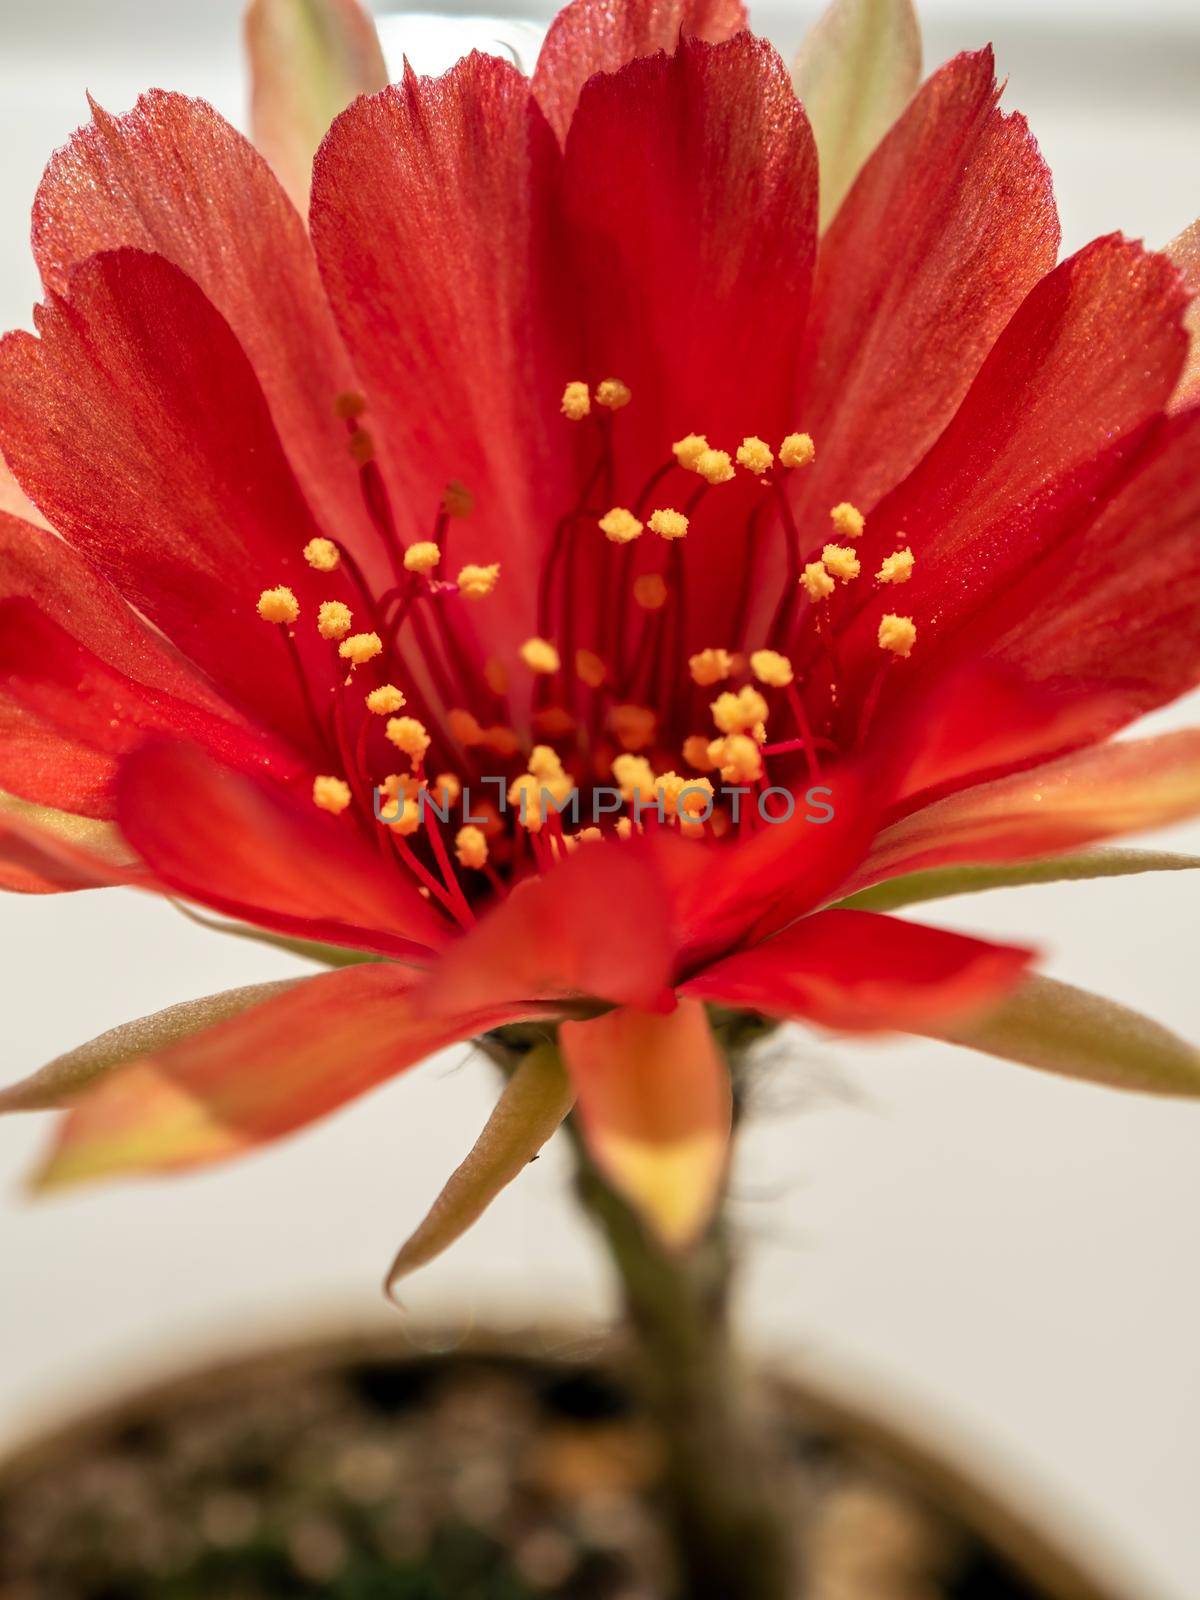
<point>366,1467</point>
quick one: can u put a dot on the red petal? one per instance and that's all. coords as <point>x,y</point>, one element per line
<point>864,973</point>
<point>430,217</point>
<point>137,422</point>
<point>252,851</point>
<point>691,205</point>
<point>256,1077</point>
<point>950,224</point>
<point>598,925</point>
<point>590,36</point>
<point>173,177</point>
<point>45,852</point>
<point>1124,787</point>
<point>654,1101</point>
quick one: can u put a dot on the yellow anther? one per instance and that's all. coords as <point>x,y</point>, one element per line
<point>464,727</point>
<point>769,667</point>
<point>476,583</point>
<point>540,656</point>
<point>471,847</point>
<point>635,778</point>
<point>797,450</point>
<point>710,666</point>
<point>624,828</point>
<point>632,726</point>
<point>848,521</point>
<point>755,455</point>
<point>322,555</point>
<point>714,466</point>
<point>495,675</point>
<point>817,582</point>
<point>668,524</point>
<point>500,740</point>
<point>360,648</point>
<point>589,668</point>
<point>695,753</point>
<point>409,735</point>
<point>740,712</point>
<point>545,762</point>
<point>331,794</point>
<point>333,619</point>
<point>407,819</point>
<point>385,701</point>
<point>897,568</point>
<point>688,450</point>
<point>576,402</point>
<point>525,796</point>
<point>553,722</point>
<point>612,394</point>
<point>650,591</point>
<point>897,634</point>
<point>278,605</point>
<point>841,561</point>
<point>620,525</point>
<point>447,790</point>
<point>457,499</point>
<point>422,557</point>
<point>738,757</point>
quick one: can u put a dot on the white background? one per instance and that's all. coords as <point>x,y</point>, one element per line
<point>1007,1260</point>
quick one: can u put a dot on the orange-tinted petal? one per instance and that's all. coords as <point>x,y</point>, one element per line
<point>256,1077</point>
<point>863,973</point>
<point>654,1101</point>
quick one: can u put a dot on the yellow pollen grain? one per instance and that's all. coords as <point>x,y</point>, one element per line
<point>409,735</point>
<point>635,778</point>
<point>447,789</point>
<point>755,455</point>
<point>464,727</point>
<point>495,675</point>
<point>476,583</point>
<point>589,668</point>
<point>385,701</point>
<point>322,555</point>
<point>540,656</point>
<point>650,591</point>
<point>710,666</point>
<point>668,524</point>
<point>897,634</point>
<point>738,757</point>
<point>714,466</point>
<point>470,847</point>
<point>407,820</point>
<point>278,605</point>
<point>331,794</point>
<point>897,568</point>
<point>736,713</point>
<point>360,648</point>
<point>688,450</point>
<point>612,394</point>
<point>576,402</point>
<point>632,726</point>
<point>848,521</point>
<point>797,450</point>
<point>624,828</point>
<point>525,796</point>
<point>817,582</point>
<point>695,752</point>
<point>620,525</point>
<point>841,561</point>
<point>422,557</point>
<point>333,619</point>
<point>769,667</point>
<point>545,762</point>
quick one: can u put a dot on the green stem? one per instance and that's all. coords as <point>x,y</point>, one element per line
<point>720,1482</point>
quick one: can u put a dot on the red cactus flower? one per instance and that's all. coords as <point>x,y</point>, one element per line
<point>559,450</point>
